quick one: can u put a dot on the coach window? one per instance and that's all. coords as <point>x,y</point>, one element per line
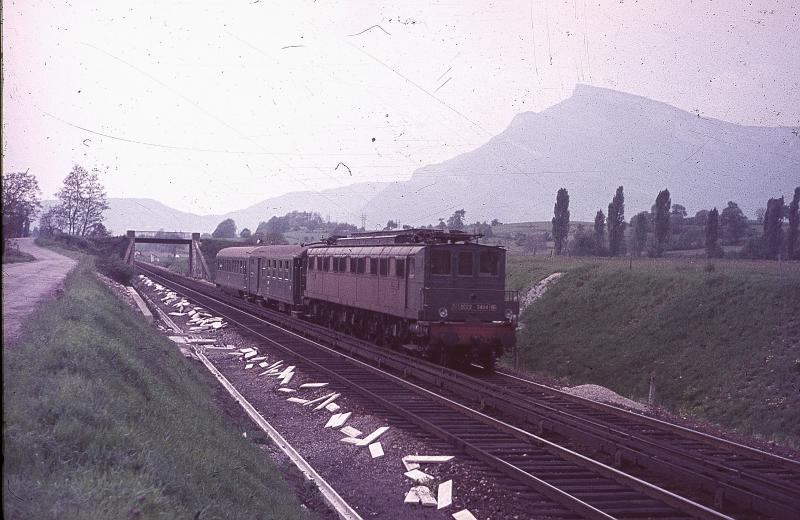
<point>465,263</point>
<point>373,266</point>
<point>489,261</point>
<point>411,267</point>
<point>384,265</point>
<point>361,266</point>
<point>440,262</point>
<point>400,268</point>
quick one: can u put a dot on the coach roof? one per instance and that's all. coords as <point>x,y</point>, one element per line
<point>283,251</point>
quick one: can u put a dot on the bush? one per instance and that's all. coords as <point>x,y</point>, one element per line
<point>115,269</point>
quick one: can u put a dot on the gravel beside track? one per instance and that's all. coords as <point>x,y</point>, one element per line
<point>518,453</point>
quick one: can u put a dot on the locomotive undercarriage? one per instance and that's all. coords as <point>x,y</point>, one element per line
<point>404,334</point>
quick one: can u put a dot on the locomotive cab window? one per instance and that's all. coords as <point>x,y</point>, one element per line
<point>440,262</point>
<point>465,263</point>
<point>489,261</point>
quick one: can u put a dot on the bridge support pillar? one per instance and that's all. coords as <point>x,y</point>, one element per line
<point>131,250</point>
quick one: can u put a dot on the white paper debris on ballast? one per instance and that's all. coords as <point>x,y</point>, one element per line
<point>411,497</point>
<point>319,399</point>
<point>327,401</point>
<point>288,377</point>
<point>410,465</point>
<point>259,358</point>
<point>372,437</point>
<point>444,494</point>
<point>464,514</point>
<point>350,431</point>
<point>418,476</point>
<point>376,450</point>
<point>263,364</point>
<point>428,459</point>
<point>287,390</point>
<point>331,407</point>
<point>297,400</point>
<point>426,497</point>
<point>250,354</point>
<point>313,385</point>
<point>349,440</point>
<point>341,418</point>
<point>248,366</point>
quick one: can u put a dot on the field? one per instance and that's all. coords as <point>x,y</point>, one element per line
<point>104,419</point>
<point>721,338</point>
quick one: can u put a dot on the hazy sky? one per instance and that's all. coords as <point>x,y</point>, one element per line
<point>213,106</point>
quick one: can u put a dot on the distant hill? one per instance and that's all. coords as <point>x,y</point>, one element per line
<point>591,143</point>
<point>341,204</point>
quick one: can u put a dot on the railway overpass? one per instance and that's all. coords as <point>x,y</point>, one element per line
<point>197,264</point>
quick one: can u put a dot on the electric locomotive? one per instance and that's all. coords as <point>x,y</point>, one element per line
<point>438,293</point>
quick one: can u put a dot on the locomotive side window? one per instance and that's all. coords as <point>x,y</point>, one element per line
<point>465,263</point>
<point>373,266</point>
<point>489,261</point>
<point>400,268</point>
<point>440,262</point>
<point>384,264</point>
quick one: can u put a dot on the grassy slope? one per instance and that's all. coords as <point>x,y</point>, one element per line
<point>104,419</point>
<point>724,345</point>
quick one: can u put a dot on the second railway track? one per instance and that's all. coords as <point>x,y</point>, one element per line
<point>736,478</point>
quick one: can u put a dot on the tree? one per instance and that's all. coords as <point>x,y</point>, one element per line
<point>390,225</point>
<point>20,203</point>
<point>701,217</point>
<point>561,220</point>
<point>98,230</point>
<point>245,233</point>
<point>773,232</point>
<point>679,210</point>
<point>792,246</point>
<point>641,226</point>
<point>713,250</point>
<point>760,212</point>
<point>733,223</point>
<point>616,222</point>
<point>661,218</point>
<point>225,229</point>
<point>599,230</point>
<point>456,221</point>
<point>676,218</point>
<point>82,201</point>
<point>496,222</point>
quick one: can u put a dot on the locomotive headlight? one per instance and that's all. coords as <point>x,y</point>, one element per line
<point>509,314</point>
<point>443,312</point>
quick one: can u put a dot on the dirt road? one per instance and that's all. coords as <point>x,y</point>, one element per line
<point>27,284</point>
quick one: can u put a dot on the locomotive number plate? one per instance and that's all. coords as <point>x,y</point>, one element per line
<point>472,307</point>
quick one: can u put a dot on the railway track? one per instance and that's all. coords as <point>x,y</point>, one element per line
<point>734,475</point>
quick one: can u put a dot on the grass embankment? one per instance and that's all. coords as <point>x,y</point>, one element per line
<point>104,419</point>
<point>724,344</point>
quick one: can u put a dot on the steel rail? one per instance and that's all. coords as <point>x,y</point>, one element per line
<point>599,469</point>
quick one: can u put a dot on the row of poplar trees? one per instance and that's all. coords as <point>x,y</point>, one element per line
<point>770,245</point>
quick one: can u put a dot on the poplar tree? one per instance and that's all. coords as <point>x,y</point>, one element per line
<point>663,204</point>
<point>794,219</point>
<point>599,231</point>
<point>713,249</point>
<point>616,222</point>
<point>561,220</point>
<point>773,234</point>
